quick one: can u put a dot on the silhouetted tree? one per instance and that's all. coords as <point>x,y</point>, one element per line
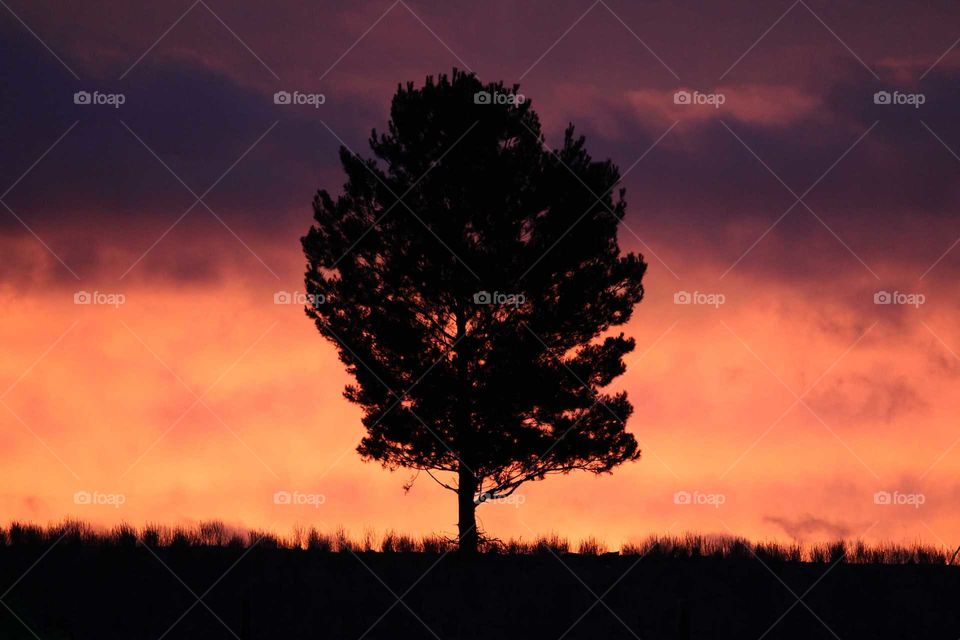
<point>467,277</point>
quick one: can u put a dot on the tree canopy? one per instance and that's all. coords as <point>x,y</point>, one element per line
<point>469,277</point>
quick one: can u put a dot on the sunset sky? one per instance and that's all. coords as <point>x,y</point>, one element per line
<point>794,202</point>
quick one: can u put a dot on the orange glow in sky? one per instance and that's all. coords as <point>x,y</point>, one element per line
<point>794,411</point>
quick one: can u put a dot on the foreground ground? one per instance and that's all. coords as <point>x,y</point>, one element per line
<point>136,591</point>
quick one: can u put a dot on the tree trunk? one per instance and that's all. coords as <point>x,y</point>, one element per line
<point>467,481</point>
<point>467,510</point>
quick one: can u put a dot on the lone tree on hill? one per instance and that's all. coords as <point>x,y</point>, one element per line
<point>469,277</point>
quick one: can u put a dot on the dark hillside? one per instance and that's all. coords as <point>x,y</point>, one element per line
<point>128,591</point>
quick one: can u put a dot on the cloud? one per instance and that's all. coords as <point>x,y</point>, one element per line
<point>807,526</point>
<point>909,68</point>
<point>866,399</point>
<point>754,104</point>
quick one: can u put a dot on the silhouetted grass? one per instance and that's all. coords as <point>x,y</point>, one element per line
<point>681,547</point>
<point>74,580</point>
<point>733,547</point>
